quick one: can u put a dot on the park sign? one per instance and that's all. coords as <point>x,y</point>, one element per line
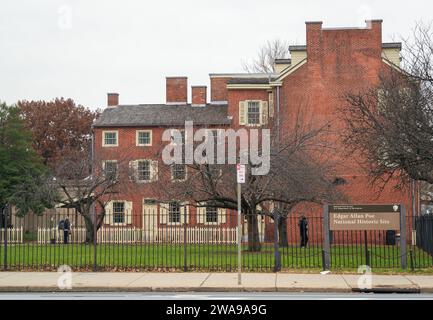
<point>364,217</point>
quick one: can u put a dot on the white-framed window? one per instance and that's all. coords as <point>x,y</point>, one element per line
<point>144,137</point>
<point>174,213</point>
<point>109,168</point>
<point>178,172</point>
<point>253,112</point>
<point>210,215</point>
<point>118,213</point>
<point>144,170</point>
<point>110,138</point>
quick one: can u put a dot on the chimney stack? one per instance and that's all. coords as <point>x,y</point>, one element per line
<point>177,90</point>
<point>198,94</point>
<point>112,99</point>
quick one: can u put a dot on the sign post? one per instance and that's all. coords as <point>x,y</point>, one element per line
<point>240,175</point>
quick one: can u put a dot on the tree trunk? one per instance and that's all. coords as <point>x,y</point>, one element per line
<point>253,232</point>
<point>89,229</point>
<point>282,231</point>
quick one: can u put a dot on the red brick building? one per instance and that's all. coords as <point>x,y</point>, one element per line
<point>332,62</point>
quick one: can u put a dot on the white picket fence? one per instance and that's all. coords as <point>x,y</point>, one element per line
<point>197,235</point>
<point>127,235</point>
<point>14,235</point>
<point>78,235</point>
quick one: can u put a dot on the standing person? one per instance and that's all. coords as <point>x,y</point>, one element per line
<point>66,229</point>
<point>303,229</point>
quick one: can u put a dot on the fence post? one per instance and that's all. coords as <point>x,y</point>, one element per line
<point>185,269</point>
<point>94,238</point>
<point>326,241</point>
<point>5,262</point>
<point>277,266</point>
<point>403,252</point>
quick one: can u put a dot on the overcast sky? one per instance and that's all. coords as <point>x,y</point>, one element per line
<point>83,49</point>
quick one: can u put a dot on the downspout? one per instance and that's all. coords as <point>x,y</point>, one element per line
<point>278,115</point>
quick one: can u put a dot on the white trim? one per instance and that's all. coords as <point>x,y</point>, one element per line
<point>137,133</point>
<point>219,102</point>
<point>110,131</point>
<point>248,86</point>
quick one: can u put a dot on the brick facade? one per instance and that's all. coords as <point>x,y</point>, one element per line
<point>338,61</point>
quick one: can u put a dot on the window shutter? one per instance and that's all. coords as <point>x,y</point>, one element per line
<point>264,112</point>
<point>242,112</point>
<point>128,212</point>
<point>108,219</point>
<point>154,172</point>
<point>271,104</point>
<point>201,214</point>
<point>133,166</point>
<point>184,210</point>
<point>163,213</point>
<point>221,215</point>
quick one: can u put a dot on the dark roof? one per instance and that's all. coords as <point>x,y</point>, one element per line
<point>249,80</point>
<point>161,115</point>
<point>396,45</point>
<point>283,61</point>
<point>297,48</point>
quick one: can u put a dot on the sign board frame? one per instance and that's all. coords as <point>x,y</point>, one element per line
<point>365,209</point>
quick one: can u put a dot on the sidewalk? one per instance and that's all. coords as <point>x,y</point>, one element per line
<point>205,282</point>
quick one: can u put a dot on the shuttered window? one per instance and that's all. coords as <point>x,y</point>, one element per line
<point>109,168</point>
<point>174,212</point>
<point>253,112</point>
<point>178,172</point>
<point>143,170</point>
<point>211,215</point>
<point>118,212</point>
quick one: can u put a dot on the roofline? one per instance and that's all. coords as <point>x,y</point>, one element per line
<point>141,125</point>
<point>385,45</point>
<point>242,75</point>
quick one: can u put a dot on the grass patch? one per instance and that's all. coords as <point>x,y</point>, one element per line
<point>205,257</point>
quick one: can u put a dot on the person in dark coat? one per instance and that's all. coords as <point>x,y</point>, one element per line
<point>66,230</point>
<point>303,229</point>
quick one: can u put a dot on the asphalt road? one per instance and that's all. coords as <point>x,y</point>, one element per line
<point>212,296</point>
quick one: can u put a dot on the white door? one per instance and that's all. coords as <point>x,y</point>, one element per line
<point>150,220</point>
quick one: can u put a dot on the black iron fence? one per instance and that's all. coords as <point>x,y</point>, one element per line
<point>176,238</point>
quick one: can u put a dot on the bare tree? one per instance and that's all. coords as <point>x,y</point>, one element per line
<point>268,52</point>
<point>389,124</point>
<point>85,185</point>
<point>297,174</point>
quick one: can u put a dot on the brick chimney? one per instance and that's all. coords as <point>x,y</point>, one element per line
<point>218,88</point>
<point>112,99</point>
<point>177,90</point>
<point>314,39</point>
<point>198,94</point>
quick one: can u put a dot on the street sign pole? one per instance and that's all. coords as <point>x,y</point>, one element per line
<point>239,235</point>
<point>240,177</point>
